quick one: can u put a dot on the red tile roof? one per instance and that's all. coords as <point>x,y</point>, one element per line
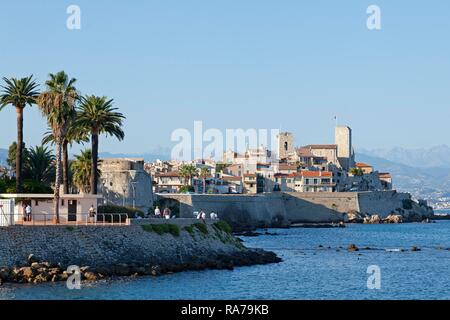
<point>285,166</point>
<point>316,174</point>
<point>250,175</point>
<point>385,175</point>
<point>231,178</point>
<point>363,165</point>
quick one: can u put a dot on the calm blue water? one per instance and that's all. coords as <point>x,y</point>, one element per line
<point>308,272</point>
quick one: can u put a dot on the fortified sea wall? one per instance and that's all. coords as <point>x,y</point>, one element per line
<point>284,208</point>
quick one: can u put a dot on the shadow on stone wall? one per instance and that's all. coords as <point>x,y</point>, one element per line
<point>299,210</point>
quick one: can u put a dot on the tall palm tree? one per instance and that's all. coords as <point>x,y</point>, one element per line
<point>19,93</point>
<point>82,168</point>
<point>188,171</point>
<point>40,165</point>
<point>57,104</point>
<point>74,134</point>
<point>98,115</point>
<point>204,173</point>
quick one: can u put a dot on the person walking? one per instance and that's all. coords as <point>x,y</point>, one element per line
<point>203,216</point>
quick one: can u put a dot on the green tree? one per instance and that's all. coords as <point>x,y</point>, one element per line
<point>357,171</point>
<point>57,104</point>
<point>188,171</point>
<point>19,93</point>
<point>98,116</point>
<point>74,134</point>
<point>82,169</point>
<point>204,173</point>
<point>12,155</point>
<point>40,165</point>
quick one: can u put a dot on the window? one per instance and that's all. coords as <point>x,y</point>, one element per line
<point>62,202</point>
<point>36,203</point>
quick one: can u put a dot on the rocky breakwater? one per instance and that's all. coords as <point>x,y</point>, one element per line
<point>43,254</point>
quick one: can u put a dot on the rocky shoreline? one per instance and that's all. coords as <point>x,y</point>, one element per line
<point>132,252</point>
<point>42,271</point>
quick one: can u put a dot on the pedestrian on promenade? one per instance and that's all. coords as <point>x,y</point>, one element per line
<point>92,214</point>
<point>166,213</point>
<point>28,212</point>
<point>203,216</point>
<point>157,212</point>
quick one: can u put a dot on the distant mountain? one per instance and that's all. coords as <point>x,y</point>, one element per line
<point>151,156</point>
<point>420,181</point>
<point>437,156</point>
<point>3,156</point>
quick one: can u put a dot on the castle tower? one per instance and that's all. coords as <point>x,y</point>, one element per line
<point>343,140</point>
<point>285,145</point>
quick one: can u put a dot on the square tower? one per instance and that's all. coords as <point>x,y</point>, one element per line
<point>285,145</point>
<point>343,140</point>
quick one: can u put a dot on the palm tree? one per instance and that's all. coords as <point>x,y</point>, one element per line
<point>57,104</point>
<point>19,93</point>
<point>74,134</point>
<point>204,173</point>
<point>40,165</point>
<point>98,115</point>
<point>82,168</point>
<point>187,171</point>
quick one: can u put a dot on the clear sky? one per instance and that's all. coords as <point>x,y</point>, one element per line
<point>242,64</point>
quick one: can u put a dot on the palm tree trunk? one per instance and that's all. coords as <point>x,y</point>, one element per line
<point>204,185</point>
<point>94,168</point>
<point>57,179</point>
<point>65,162</point>
<point>19,153</point>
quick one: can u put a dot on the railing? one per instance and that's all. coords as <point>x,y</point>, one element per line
<point>43,219</point>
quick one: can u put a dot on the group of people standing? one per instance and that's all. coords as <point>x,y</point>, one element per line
<point>166,214</point>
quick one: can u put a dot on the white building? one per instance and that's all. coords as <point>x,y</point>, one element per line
<point>72,207</point>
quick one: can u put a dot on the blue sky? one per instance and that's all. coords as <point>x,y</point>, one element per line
<point>242,64</point>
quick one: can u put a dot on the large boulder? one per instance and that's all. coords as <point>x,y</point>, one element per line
<point>354,217</point>
<point>393,218</point>
<point>375,219</point>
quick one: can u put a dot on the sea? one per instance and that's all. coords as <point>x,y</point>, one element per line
<point>316,265</point>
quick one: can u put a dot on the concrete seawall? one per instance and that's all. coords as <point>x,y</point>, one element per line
<point>283,208</point>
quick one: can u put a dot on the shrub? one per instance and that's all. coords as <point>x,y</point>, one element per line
<point>224,226</point>
<point>70,228</point>
<point>186,189</point>
<point>110,208</point>
<point>162,229</point>
<point>407,204</point>
<point>29,186</point>
<point>201,227</point>
<point>190,230</point>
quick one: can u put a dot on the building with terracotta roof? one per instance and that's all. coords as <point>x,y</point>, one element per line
<point>305,181</point>
<point>386,180</point>
<point>366,168</point>
<point>168,182</point>
<point>324,154</point>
